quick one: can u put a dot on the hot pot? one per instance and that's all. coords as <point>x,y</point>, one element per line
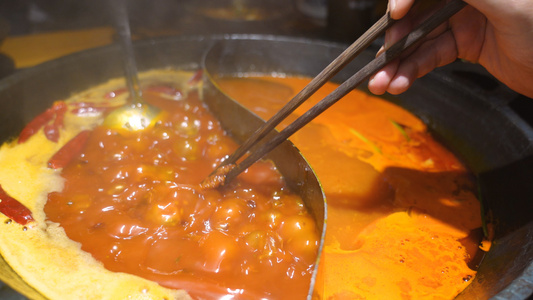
<point>474,120</point>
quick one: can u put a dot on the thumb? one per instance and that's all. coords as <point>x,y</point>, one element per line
<point>399,8</point>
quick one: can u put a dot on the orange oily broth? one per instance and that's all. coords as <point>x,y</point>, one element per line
<point>132,200</point>
<point>400,206</point>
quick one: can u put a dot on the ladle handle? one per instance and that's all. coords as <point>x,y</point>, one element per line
<point>122,25</point>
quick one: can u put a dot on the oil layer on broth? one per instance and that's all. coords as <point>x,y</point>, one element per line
<point>401,208</point>
<point>133,200</point>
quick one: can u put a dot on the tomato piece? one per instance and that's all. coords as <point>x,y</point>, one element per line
<point>69,150</point>
<point>187,124</point>
<point>262,173</point>
<point>187,149</point>
<point>163,256</point>
<point>125,227</point>
<point>304,247</point>
<point>13,209</point>
<point>272,218</point>
<point>228,213</point>
<point>295,226</point>
<point>218,146</point>
<point>176,207</point>
<point>220,250</point>
<point>264,243</point>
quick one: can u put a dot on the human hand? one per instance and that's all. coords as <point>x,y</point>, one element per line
<point>494,33</point>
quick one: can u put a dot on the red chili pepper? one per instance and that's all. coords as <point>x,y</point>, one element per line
<point>36,124</point>
<point>69,150</point>
<point>196,77</point>
<point>14,209</point>
<point>52,132</point>
<point>61,109</point>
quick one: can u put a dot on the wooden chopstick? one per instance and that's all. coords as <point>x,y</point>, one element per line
<point>326,74</point>
<point>345,57</point>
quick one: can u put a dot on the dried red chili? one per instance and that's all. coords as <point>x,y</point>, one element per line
<point>196,77</point>
<point>51,131</point>
<point>69,150</point>
<point>13,209</point>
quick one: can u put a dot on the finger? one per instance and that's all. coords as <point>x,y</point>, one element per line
<point>379,82</point>
<point>436,33</point>
<point>469,27</point>
<point>416,17</point>
<point>430,55</point>
<point>399,8</point>
<point>397,32</point>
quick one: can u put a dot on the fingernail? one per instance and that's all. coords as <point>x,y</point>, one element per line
<point>390,37</point>
<point>392,5</point>
<point>386,43</point>
<point>380,50</point>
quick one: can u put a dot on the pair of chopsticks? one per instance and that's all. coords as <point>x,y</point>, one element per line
<point>334,67</point>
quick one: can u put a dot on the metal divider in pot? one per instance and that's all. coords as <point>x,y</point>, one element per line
<point>241,123</point>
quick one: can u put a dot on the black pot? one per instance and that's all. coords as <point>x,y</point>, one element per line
<point>474,121</point>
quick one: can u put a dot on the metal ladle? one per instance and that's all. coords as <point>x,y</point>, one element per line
<point>137,114</point>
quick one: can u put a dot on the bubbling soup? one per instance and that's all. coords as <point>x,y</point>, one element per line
<point>403,218</point>
<point>134,201</point>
